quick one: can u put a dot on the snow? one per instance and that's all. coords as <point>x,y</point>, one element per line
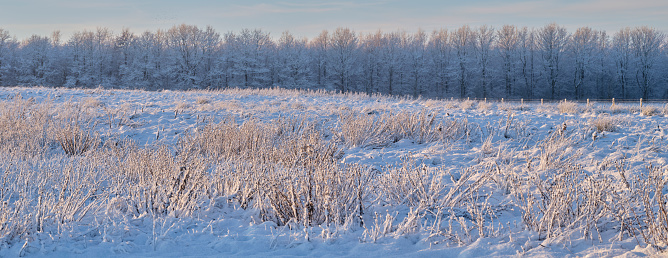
<point>224,229</point>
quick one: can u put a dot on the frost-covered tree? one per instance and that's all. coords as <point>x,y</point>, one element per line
<point>391,60</point>
<point>191,48</point>
<point>319,47</point>
<point>462,41</point>
<point>623,57</point>
<point>603,68</point>
<point>528,55</point>
<point>647,43</point>
<point>122,60</point>
<point>249,56</point>
<point>417,62</point>
<point>7,46</point>
<point>57,67</point>
<point>440,53</point>
<point>552,40</point>
<point>483,43</point>
<point>34,60</point>
<point>582,47</point>
<point>371,48</point>
<point>342,58</point>
<point>507,44</point>
<point>292,61</point>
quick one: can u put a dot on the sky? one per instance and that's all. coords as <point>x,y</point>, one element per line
<point>308,18</point>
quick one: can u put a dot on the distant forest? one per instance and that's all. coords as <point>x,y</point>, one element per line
<point>478,62</point>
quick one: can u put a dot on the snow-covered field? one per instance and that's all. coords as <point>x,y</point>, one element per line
<point>287,173</point>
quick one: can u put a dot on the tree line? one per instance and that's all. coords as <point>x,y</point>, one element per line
<point>481,62</point>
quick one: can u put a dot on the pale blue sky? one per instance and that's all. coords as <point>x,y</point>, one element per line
<point>308,18</point>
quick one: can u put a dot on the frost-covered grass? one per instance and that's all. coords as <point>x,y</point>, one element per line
<point>279,172</point>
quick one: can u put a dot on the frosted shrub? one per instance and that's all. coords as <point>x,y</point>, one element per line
<point>568,107</point>
<point>362,130</point>
<point>505,106</point>
<point>75,138</point>
<point>418,127</point>
<point>648,110</point>
<point>359,129</point>
<point>202,100</point>
<point>466,104</point>
<point>651,189</point>
<point>484,106</point>
<point>180,106</point>
<point>155,181</point>
<point>91,102</point>
<point>617,108</point>
<point>604,123</point>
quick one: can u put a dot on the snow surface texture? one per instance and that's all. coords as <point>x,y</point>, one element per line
<point>443,178</point>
